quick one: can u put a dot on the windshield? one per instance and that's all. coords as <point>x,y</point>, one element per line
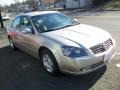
<point>51,22</point>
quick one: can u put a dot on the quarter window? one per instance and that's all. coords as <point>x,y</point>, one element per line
<point>16,23</point>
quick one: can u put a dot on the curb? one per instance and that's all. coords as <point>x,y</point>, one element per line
<point>3,32</point>
<point>3,37</point>
<point>84,10</point>
<point>100,17</point>
<point>71,12</point>
<point>90,16</point>
<point>111,10</point>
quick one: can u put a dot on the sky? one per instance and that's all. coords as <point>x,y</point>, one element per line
<point>7,2</point>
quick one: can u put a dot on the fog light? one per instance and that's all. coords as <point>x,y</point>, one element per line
<point>85,69</point>
<point>82,69</point>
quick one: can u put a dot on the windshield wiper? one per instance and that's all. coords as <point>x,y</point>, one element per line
<point>57,28</point>
<point>67,26</point>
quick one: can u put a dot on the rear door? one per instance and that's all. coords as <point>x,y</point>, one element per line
<point>13,30</point>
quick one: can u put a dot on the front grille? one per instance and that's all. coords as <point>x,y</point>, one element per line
<point>102,47</point>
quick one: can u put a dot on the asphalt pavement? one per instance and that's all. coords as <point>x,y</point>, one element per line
<point>20,71</point>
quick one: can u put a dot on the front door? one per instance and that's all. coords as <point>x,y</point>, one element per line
<point>28,36</point>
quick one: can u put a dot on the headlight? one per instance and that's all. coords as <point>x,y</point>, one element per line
<point>71,51</point>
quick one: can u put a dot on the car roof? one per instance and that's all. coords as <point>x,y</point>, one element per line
<point>38,13</point>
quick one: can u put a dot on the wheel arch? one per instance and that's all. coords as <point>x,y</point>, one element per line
<point>50,50</point>
<point>43,48</point>
<point>57,69</point>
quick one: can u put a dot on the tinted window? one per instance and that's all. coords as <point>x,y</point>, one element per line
<point>16,22</point>
<point>50,22</point>
<point>25,23</point>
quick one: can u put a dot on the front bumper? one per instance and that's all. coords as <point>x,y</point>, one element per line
<point>84,65</point>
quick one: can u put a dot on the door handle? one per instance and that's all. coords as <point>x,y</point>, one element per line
<point>19,36</point>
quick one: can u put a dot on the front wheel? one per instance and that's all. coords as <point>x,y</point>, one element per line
<point>49,62</point>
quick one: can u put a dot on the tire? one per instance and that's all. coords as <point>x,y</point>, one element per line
<point>49,62</point>
<point>12,45</point>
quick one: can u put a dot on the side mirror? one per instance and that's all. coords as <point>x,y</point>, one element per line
<point>27,31</point>
<point>76,19</point>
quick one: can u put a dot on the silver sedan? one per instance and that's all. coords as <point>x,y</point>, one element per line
<point>63,44</point>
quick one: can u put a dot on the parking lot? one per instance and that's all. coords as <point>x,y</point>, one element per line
<point>20,71</point>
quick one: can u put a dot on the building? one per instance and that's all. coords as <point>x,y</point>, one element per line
<point>47,1</point>
<point>42,4</point>
<point>23,8</point>
<point>73,3</point>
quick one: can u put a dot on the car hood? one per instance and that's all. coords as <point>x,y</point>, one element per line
<point>85,35</point>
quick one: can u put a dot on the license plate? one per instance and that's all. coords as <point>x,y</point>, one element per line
<point>108,56</point>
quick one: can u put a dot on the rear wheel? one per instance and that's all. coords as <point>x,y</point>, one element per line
<point>49,62</point>
<point>12,45</point>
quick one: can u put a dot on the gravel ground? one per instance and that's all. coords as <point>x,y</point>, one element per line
<point>111,78</point>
